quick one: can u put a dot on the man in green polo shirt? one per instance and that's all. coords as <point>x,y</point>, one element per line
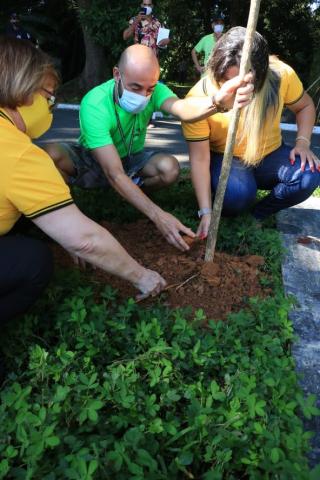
<point>206,44</point>
<point>113,120</point>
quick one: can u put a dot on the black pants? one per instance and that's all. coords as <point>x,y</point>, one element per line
<point>25,269</point>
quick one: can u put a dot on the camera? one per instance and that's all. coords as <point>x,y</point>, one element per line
<point>143,11</point>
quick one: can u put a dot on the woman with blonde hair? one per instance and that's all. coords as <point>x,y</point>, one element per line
<point>261,159</point>
<point>30,185</point>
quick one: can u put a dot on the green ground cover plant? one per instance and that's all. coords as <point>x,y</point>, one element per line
<point>100,389</point>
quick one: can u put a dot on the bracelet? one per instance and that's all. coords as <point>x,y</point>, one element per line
<point>204,211</point>
<point>301,137</point>
<point>217,107</point>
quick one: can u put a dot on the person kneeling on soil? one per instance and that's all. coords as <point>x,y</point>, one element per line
<point>261,159</point>
<point>113,121</point>
<point>31,185</point>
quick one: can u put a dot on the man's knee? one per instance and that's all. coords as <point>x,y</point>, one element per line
<point>169,169</point>
<point>61,158</point>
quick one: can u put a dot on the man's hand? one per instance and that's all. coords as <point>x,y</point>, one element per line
<point>235,91</point>
<point>203,227</point>
<point>170,227</point>
<point>151,283</point>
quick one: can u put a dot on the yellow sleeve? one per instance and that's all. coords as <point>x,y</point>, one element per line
<point>36,186</point>
<point>196,131</point>
<point>291,87</point>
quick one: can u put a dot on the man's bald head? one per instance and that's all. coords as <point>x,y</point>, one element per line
<point>138,71</point>
<point>138,58</point>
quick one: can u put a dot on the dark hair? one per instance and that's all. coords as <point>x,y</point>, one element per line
<point>227,53</point>
<point>261,111</point>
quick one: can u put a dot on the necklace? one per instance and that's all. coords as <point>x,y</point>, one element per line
<point>128,147</point>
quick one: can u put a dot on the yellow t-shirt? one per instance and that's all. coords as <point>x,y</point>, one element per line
<point>215,128</point>
<point>30,184</point>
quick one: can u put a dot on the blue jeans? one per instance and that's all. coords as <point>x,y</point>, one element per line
<point>288,185</point>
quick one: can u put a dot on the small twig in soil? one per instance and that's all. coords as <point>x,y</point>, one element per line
<point>177,285</point>
<point>188,280</point>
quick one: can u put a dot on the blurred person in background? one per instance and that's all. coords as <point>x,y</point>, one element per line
<point>206,44</point>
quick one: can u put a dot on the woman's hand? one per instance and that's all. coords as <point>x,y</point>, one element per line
<point>306,155</point>
<point>235,90</point>
<point>203,227</point>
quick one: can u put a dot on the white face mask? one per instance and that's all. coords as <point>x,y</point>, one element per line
<point>148,10</point>
<point>218,28</point>
<point>132,102</point>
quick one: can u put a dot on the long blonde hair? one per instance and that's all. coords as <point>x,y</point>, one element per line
<point>259,114</point>
<point>23,68</point>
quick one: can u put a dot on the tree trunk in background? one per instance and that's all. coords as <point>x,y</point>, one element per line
<point>95,68</point>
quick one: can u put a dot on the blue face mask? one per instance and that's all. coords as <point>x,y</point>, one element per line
<point>132,102</point>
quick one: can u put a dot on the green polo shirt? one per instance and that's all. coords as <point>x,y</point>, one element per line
<point>205,46</point>
<point>98,121</point>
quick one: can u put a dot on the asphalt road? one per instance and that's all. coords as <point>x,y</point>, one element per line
<point>166,135</point>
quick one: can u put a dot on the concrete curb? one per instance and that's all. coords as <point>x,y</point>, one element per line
<point>299,228</point>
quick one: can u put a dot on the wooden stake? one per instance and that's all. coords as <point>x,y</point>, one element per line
<point>231,137</point>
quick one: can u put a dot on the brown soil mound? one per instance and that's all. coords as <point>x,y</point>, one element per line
<point>218,287</point>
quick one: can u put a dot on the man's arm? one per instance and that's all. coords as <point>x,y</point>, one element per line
<point>86,239</point>
<point>196,61</point>
<point>169,226</point>
<point>192,109</point>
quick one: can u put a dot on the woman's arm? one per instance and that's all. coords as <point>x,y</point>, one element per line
<point>305,117</point>
<point>199,153</point>
<point>94,244</point>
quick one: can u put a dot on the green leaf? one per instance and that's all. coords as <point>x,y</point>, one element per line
<point>4,468</point>
<point>93,465</point>
<point>96,404</point>
<point>11,452</point>
<point>134,468</point>
<point>61,393</point>
<point>52,441</point>
<point>144,458</point>
<point>275,455</point>
<point>92,415</point>
<point>259,407</point>
<point>83,416</point>
<point>270,382</point>
<point>185,458</point>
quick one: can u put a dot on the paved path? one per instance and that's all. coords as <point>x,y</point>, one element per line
<point>301,264</point>
<point>301,276</point>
